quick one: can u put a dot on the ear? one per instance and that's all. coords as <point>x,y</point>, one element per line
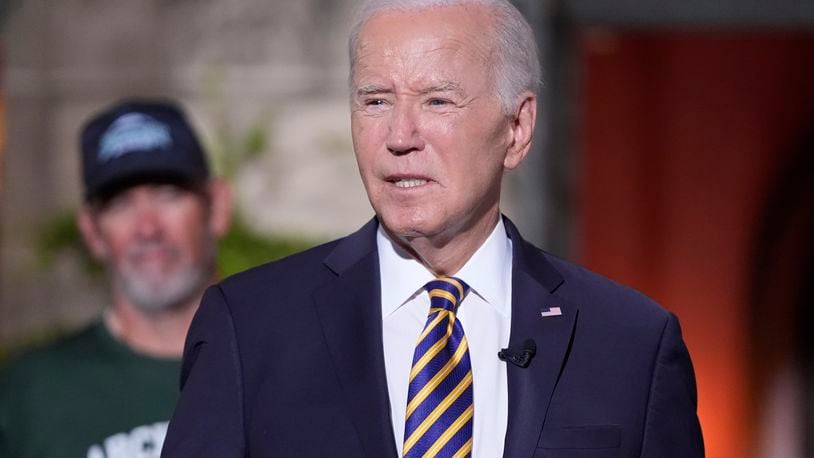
<point>220,212</point>
<point>88,227</point>
<point>522,128</point>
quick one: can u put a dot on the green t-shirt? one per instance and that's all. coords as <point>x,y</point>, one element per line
<point>86,396</point>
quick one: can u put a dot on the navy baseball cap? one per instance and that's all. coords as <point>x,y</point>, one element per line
<point>140,141</point>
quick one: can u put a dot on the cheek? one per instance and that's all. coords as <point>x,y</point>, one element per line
<point>196,246</point>
<point>462,145</point>
<point>114,251</point>
<point>365,128</point>
<point>113,241</point>
<point>365,166</point>
<point>191,244</point>
<point>480,159</point>
<point>366,146</point>
<point>189,228</point>
<point>491,144</point>
<point>195,228</point>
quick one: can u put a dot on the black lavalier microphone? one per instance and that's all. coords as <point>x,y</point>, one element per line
<point>520,358</point>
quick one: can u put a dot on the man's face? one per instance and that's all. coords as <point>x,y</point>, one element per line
<point>430,137</point>
<point>156,241</point>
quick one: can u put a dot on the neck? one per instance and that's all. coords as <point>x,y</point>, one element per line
<point>445,255</point>
<point>159,334</point>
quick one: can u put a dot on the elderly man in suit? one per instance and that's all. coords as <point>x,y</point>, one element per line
<point>435,330</point>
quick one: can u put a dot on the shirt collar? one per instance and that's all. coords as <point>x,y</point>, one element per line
<point>402,277</point>
<point>487,272</point>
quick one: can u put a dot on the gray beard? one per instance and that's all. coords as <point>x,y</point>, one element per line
<point>152,294</point>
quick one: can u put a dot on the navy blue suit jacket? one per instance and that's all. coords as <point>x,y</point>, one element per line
<point>286,360</point>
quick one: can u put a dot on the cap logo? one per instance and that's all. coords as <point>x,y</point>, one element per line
<point>133,132</point>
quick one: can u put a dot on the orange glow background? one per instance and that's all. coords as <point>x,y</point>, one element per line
<point>682,136</point>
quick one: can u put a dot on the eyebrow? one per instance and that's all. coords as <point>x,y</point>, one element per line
<point>372,90</point>
<point>445,86</point>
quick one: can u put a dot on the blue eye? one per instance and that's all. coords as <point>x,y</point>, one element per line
<point>438,102</point>
<point>374,102</point>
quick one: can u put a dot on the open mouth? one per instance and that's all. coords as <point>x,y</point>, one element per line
<point>409,183</point>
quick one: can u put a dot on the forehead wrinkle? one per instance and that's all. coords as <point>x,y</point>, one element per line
<point>471,46</point>
<point>411,61</point>
<point>443,86</point>
<point>426,76</point>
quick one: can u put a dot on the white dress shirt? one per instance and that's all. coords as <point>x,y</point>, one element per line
<point>485,315</point>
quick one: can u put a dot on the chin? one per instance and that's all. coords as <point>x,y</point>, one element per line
<point>407,226</point>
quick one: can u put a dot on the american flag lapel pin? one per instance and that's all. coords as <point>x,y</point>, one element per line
<point>550,311</point>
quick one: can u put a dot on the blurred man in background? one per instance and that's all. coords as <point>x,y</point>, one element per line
<point>151,215</point>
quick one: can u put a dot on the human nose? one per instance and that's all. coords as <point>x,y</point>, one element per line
<point>147,222</point>
<point>404,135</point>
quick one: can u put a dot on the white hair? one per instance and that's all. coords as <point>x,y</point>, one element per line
<point>517,68</point>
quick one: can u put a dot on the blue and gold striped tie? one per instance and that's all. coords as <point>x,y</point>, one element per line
<point>439,401</point>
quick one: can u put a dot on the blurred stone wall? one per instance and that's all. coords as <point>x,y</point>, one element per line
<point>236,66</point>
<point>279,67</point>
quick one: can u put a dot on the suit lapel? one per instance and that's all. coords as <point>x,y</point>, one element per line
<point>349,308</point>
<point>534,280</point>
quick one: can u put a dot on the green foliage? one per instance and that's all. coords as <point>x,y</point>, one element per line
<point>255,142</point>
<point>233,145</point>
<point>230,152</point>
<point>243,248</point>
<point>60,235</point>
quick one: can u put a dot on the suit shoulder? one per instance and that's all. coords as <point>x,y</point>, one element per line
<point>597,292</point>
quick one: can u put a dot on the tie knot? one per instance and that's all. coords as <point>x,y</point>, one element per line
<point>446,292</point>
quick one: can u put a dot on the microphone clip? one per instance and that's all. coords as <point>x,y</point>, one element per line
<point>522,358</point>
